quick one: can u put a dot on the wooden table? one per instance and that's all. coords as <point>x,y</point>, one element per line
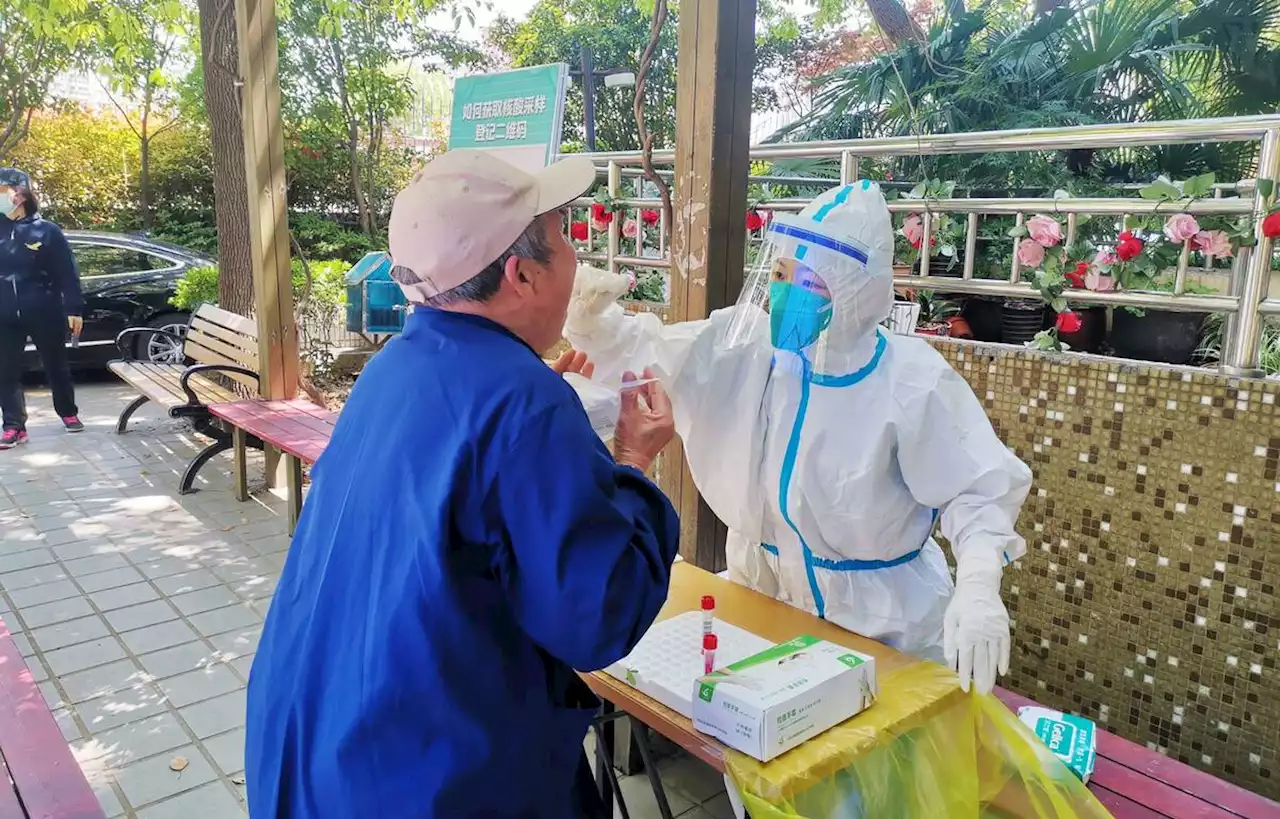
<point>38,775</point>
<point>298,428</point>
<point>757,613</point>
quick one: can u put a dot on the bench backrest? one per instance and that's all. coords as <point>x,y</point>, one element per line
<point>217,336</point>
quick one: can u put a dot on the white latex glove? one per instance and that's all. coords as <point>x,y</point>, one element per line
<point>975,635</point>
<point>594,290</point>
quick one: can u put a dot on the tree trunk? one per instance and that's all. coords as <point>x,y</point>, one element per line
<point>894,21</point>
<point>144,179</point>
<point>221,60</point>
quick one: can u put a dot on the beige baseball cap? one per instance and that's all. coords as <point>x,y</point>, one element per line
<point>465,208</point>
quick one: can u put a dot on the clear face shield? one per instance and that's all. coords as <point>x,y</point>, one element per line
<point>793,290</point>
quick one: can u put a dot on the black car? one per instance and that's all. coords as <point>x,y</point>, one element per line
<point>127,281</point>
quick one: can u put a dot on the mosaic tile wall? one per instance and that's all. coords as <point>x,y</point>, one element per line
<point>1147,600</point>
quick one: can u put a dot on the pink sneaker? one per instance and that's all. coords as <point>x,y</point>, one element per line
<point>12,437</point>
<point>72,423</point>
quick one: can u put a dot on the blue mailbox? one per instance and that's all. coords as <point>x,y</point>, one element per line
<point>375,303</point>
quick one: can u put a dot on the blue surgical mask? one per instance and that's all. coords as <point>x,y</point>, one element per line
<point>796,316</point>
<point>8,206</point>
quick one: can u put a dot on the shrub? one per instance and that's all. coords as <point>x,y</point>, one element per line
<point>199,285</point>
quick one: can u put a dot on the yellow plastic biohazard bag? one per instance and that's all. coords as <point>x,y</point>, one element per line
<point>924,750</point>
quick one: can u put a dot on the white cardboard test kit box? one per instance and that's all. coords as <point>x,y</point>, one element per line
<point>771,702</point>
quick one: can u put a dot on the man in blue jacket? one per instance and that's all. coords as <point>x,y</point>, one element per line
<point>39,297</point>
<point>467,543</point>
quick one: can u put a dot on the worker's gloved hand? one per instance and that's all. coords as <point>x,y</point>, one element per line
<point>594,290</point>
<point>976,628</point>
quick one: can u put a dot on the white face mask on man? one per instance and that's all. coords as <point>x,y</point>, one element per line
<point>10,204</point>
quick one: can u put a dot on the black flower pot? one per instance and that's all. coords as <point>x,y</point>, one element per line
<point>1020,321</point>
<point>1156,335</point>
<point>985,317</point>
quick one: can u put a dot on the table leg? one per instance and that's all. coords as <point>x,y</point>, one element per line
<point>294,476</point>
<point>241,469</point>
<point>640,732</point>
<point>606,780</point>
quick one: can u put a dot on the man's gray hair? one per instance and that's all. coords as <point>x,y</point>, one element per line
<point>534,244</point>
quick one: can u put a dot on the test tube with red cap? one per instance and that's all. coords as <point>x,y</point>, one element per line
<point>709,644</point>
<point>708,613</point>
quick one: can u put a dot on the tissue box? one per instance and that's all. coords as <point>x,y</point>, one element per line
<point>771,702</point>
<point>1070,738</point>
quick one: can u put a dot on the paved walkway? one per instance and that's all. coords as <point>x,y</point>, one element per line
<point>139,610</point>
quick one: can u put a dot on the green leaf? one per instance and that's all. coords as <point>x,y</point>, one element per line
<point>1019,232</point>
<point>1266,187</point>
<point>919,191</point>
<point>1162,189</point>
<point>1058,304</point>
<point>1198,186</point>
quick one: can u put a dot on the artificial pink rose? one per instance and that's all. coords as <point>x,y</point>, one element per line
<point>1106,259</point>
<point>1213,242</point>
<point>1180,227</point>
<point>599,225</point>
<point>631,282</point>
<point>913,229</point>
<point>631,228</point>
<point>1030,253</point>
<point>1099,283</point>
<point>1045,230</point>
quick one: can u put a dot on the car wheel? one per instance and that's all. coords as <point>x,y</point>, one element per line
<point>162,349</point>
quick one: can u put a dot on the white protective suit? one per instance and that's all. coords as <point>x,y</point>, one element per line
<point>831,479</point>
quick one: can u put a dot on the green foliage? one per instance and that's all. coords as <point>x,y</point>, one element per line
<point>199,285</point>
<point>326,239</point>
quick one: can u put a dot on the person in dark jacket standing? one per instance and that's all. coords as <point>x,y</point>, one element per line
<point>40,298</point>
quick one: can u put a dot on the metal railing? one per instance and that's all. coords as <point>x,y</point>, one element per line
<point>1245,304</point>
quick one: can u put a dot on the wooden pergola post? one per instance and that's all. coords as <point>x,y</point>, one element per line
<point>714,70</point>
<point>268,212</point>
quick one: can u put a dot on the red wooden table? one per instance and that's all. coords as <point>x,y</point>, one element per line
<point>1136,783</point>
<point>38,775</point>
<point>298,428</point>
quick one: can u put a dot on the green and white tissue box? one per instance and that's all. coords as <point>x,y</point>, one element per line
<point>773,701</point>
<point>1070,738</point>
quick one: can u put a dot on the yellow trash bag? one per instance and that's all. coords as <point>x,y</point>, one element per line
<point>924,750</point>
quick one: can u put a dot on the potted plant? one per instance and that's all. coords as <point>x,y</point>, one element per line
<point>936,314</point>
<point>946,233</point>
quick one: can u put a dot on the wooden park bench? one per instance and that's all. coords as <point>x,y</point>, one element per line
<point>39,777</point>
<point>298,428</point>
<point>223,347</point>
<point>1136,783</point>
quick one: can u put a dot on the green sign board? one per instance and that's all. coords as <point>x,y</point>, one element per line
<point>518,113</point>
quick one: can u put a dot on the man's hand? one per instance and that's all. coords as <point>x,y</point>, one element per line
<point>573,361</point>
<point>75,324</point>
<point>644,427</point>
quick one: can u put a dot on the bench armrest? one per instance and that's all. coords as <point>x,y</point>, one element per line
<point>126,350</point>
<point>192,399</point>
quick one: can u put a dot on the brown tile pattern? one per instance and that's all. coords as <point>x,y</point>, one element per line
<point>1147,600</point>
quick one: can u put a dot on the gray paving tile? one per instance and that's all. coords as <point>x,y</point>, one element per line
<point>131,742</point>
<point>122,596</point>
<point>211,801</point>
<point>38,576</point>
<point>77,549</point>
<point>167,567</point>
<point>120,708</point>
<point>102,680</point>
<point>151,780</point>
<point>161,635</point>
<point>179,659</point>
<point>58,611</point>
<point>243,664</point>
<point>110,579</point>
<point>66,720</point>
<point>52,696</point>
<point>216,716</point>
<point>107,799</point>
<point>85,655</point>
<point>46,593</point>
<point>141,615</point>
<point>196,602</point>
<point>227,751</point>
<point>61,635</point>
<point>237,643</point>
<point>187,582</point>
<point>22,642</point>
<point>15,561</point>
<point>95,564</point>
<point>230,618</point>
<point>692,777</point>
<point>199,685</point>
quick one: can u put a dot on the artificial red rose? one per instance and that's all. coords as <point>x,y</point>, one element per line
<point>1076,277</point>
<point>1069,322</point>
<point>578,231</point>
<point>600,214</point>
<point>754,220</point>
<point>1129,246</point>
<point>1271,226</point>
<point>649,217</point>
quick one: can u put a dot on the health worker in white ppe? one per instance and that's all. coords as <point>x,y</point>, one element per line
<point>829,447</point>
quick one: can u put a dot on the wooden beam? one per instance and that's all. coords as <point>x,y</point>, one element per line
<point>268,213</point>
<point>716,62</point>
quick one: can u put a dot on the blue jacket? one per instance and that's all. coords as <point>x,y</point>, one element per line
<point>467,542</point>
<point>37,271</point>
